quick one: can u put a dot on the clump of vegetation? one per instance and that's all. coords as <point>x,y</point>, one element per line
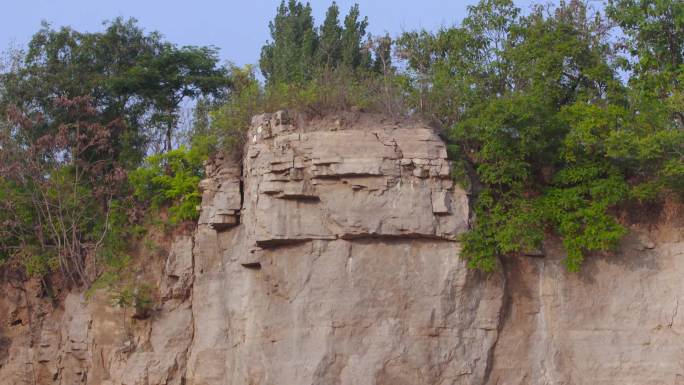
<point>536,107</point>
<point>60,190</point>
<point>78,113</point>
<point>171,179</point>
<point>138,297</point>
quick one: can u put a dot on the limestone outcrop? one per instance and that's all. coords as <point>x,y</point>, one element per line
<point>330,255</point>
<point>343,268</point>
<point>619,321</point>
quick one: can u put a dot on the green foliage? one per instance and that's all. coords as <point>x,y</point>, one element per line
<point>328,91</point>
<point>57,191</point>
<point>579,212</point>
<point>77,112</point>
<point>36,262</point>
<point>230,121</point>
<point>353,56</point>
<point>300,53</point>
<point>655,35</point>
<point>118,233</point>
<point>171,178</point>
<point>172,75</point>
<point>131,76</point>
<point>315,70</point>
<point>331,92</point>
<point>537,110</point>
<point>289,58</point>
<point>16,217</point>
<point>138,296</point>
<point>330,39</point>
<point>112,275</point>
<point>542,130</point>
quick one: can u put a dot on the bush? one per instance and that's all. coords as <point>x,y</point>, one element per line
<point>229,122</point>
<point>172,179</point>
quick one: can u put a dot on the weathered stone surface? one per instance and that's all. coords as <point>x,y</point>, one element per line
<point>89,341</point>
<point>347,312</point>
<point>378,182</point>
<point>221,196</point>
<point>617,322</point>
<point>340,271</point>
<point>178,270</point>
<point>331,258</point>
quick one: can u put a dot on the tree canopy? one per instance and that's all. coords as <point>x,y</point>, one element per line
<point>299,51</point>
<point>79,112</point>
<point>536,107</point>
<point>129,74</point>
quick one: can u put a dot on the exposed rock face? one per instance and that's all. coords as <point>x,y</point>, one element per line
<point>326,185</point>
<point>91,342</point>
<point>344,268</point>
<point>330,256</point>
<point>618,322</point>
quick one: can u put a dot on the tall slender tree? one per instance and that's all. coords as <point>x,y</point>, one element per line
<point>353,35</point>
<point>330,39</point>
<point>290,56</point>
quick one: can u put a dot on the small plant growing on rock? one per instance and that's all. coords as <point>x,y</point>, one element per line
<point>139,297</point>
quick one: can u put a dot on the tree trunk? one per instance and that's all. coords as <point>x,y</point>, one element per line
<point>167,141</point>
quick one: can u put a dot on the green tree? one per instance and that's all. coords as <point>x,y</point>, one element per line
<point>654,56</point>
<point>174,74</point>
<point>172,179</point>
<point>330,39</point>
<point>78,111</point>
<point>654,32</point>
<point>300,53</point>
<point>230,121</point>
<point>290,56</point>
<point>552,139</point>
<point>128,74</point>
<point>353,34</point>
<point>67,63</point>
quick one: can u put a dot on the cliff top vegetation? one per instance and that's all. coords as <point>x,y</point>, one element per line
<point>555,119</point>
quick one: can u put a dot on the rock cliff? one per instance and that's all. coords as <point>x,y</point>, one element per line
<point>330,256</point>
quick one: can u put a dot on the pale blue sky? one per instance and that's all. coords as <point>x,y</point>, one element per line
<point>238,28</point>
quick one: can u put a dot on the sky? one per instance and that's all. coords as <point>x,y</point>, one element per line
<point>237,28</point>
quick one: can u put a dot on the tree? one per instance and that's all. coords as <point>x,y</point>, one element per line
<point>78,112</point>
<point>300,53</point>
<point>330,40</point>
<point>67,63</point>
<point>59,190</point>
<point>353,56</point>
<point>654,32</point>
<point>551,138</point>
<point>128,74</point>
<point>534,71</point>
<point>290,56</point>
<point>172,75</point>
<point>653,45</point>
